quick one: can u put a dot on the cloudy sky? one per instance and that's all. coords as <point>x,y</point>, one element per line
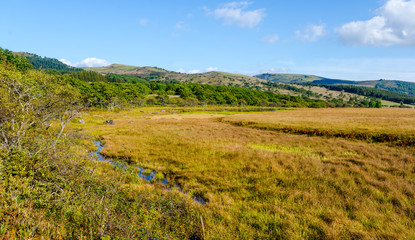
<point>353,39</point>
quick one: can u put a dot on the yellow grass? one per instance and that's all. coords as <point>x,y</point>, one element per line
<point>401,121</point>
<point>267,184</point>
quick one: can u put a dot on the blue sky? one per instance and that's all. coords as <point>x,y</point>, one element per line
<point>353,39</point>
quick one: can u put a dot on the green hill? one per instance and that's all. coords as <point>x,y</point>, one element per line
<point>288,78</point>
<point>258,82</point>
<point>390,85</point>
<point>288,84</point>
<point>129,70</point>
<point>396,86</point>
<point>39,62</point>
<point>213,78</point>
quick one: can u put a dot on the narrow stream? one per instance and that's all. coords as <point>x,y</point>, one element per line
<point>146,174</point>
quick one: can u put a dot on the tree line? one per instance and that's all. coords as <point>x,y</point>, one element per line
<point>372,92</point>
<point>100,90</point>
<point>173,92</point>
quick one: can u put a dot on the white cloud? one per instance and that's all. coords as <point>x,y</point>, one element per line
<point>271,38</point>
<point>211,69</point>
<point>182,26</point>
<point>235,13</point>
<point>394,25</point>
<point>143,21</point>
<point>195,71</point>
<point>65,61</point>
<point>88,62</point>
<point>275,70</point>
<point>237,4</point>
<point>312,32</point>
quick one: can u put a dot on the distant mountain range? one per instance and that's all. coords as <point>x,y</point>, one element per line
<point>213,78</point>
<point>229,79</point>
<point>390,85</point>
<point>222,78</point>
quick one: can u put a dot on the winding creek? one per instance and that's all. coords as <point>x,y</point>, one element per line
<point>148,175</point>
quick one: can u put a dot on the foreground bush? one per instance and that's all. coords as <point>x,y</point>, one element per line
<point>49,186</point>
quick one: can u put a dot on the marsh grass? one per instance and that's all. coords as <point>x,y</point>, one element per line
<point>397,121</point>
<point>395,126</point>
<point>268,184</point>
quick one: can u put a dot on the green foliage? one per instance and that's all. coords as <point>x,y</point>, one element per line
<point>305,92</point>
<point>288,78</point>
<point>39,62</point>
<point>11,60</point>
<point>98,92</point>
<point>49,191</point>
<point>378,104</point>
<point>390,85</point>
<point>104,93</point>
<point>89,76</point>
<point>31,103</point>
<point>120,78</point>
<point>373,93</point>
<point>212,94</point>
<point>397,86</point>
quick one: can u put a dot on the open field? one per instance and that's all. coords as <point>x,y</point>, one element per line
<point>270,184</point>
<point>395,126</point>
<point>400,121</point>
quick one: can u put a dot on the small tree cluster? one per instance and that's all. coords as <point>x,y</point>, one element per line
<point>32,104</point>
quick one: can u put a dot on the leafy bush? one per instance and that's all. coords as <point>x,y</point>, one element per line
<point>11,60</point>
<point>50,188</point>
<point>33,103</point>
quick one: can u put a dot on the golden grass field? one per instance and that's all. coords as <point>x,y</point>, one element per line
<point>270,184</point>
<point>396,126</point>
<point>387,120</point>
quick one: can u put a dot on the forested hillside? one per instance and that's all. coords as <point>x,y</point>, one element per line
<point>374,92</point>
<point>39,62</point>
<point>104,92</point>
<point>288,78</point>
<point>118,85</point>
<point>397,86</point>
<point>154,73</point>
<point>263,82</point>
<point>390,85</point>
